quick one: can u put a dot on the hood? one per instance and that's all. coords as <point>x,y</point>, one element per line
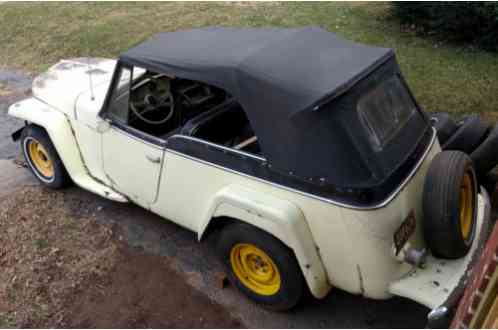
<point>61,85</point>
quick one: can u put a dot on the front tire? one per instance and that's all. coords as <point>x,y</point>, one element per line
<point>261,267</point>
<point>42,158</point>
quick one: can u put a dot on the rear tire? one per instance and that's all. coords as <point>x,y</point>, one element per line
<point>42,158</point>
<point>468,137</point>
<point>445,126</point>
<point>485,157</point>
<point>261,267</point>
<point>450,205</point>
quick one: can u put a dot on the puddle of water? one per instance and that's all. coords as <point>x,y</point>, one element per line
<point>14,85</point>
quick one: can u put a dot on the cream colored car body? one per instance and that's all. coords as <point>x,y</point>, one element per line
<point>335,245</point>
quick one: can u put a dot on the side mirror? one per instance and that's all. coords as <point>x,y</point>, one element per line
<point>103,126</point>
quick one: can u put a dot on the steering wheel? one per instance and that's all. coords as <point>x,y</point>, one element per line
<point>151,102</point>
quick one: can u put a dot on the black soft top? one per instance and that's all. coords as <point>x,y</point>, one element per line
<point>281,77</point>
<point>304,64</point>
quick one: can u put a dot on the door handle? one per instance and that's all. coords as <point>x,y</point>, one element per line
<point>153,159</point>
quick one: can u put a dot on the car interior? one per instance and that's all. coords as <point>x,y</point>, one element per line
<point>162,106</point>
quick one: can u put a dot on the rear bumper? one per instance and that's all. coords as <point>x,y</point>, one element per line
<point>440,284</point>
<point>478,306</point>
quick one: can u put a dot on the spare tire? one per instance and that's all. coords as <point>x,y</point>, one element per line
<point>444,125</point>
<point>485,157</point>
<point>450,205</point>
<point>467,137</point>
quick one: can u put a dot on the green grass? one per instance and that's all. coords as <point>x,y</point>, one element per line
<point>443,77</point>
<point>6,321</point>
<point>41,243</point>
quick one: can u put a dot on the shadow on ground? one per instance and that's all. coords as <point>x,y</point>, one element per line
<point>154,235</point>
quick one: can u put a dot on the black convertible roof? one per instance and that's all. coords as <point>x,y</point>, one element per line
<point>301,64</point>
<point>274,73</point>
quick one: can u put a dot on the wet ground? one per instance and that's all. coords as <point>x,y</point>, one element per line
<point>13,85</point>
<point>155,236</point>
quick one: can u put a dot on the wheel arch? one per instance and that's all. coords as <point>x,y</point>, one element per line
<point>39,114</point>
<point>61,134</point>
<point>280,218</point>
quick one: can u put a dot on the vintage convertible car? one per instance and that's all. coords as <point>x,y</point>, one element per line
<point>307,154</point>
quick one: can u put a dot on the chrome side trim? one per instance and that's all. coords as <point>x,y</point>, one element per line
<point>246,154</point>
<point>162,143</point>
<point>134,137</point>
<point>355,207</point>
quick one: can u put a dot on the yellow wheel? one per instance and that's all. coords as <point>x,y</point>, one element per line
<point>260,266</point>
<point>467,206</point>
<point>42,158</point>
<point>255,269</point>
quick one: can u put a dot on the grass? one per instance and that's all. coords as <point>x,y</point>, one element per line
<point>6,321</point>
<point>443,77</point>
<point>41,243</point>
<point>11,293</point>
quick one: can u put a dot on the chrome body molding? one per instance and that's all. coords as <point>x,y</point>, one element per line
<point>341,204</point>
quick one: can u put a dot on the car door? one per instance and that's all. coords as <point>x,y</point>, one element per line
<point>131,163</point>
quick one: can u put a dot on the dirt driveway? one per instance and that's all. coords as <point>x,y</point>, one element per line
<point>74,259</point>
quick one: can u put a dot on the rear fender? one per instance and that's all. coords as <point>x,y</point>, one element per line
<point>281,218</point>
<point>62,136</point>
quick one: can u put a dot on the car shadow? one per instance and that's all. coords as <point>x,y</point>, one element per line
<point>198,263</point>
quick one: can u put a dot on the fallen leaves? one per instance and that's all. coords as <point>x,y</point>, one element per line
<point>46,255</point>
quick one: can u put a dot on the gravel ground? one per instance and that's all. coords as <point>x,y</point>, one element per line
<point>154,237</point>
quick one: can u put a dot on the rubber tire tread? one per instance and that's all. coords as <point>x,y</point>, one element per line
<point>485,156</point>
<point>441,204</point>
<point>61,177</point>
<point>468,136</point>
<point>444,125</point>
<point>292,280</point>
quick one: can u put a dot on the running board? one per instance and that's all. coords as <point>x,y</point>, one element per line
<point>88,183</point>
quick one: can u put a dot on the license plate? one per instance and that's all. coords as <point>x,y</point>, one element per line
<point>404,232</point>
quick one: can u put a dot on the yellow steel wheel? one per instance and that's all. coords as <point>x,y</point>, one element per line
<point>255,269</point>
<point>40,159</point>
<point>466,207</point>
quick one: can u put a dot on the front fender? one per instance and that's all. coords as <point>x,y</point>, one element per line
<point>281,218</point>
<point>17,135</point>
<point>62,136</point>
